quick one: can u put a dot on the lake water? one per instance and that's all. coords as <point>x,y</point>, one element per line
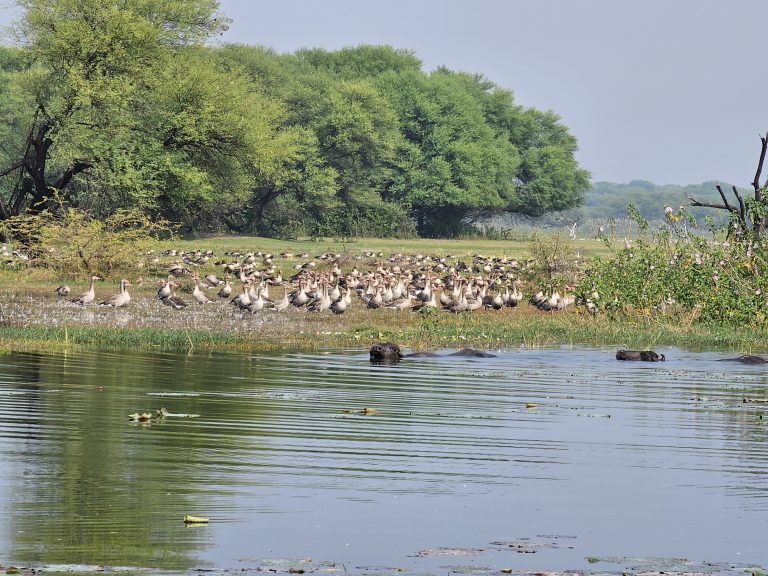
<point>618,466</point>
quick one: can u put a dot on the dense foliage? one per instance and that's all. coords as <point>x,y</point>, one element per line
<point>682,277</point>
<point>115,104</point>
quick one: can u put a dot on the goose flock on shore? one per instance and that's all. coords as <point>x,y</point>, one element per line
<point>396,283</point>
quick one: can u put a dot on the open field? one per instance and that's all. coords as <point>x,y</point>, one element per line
<point>517,247</point>
<point>32,318</point>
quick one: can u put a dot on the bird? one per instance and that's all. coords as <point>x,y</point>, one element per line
<point>200,296</point>
<point>62,291</point>
<point>165,290</point>
<point>89,296</point>
<point>172,300</point>
<point>281,305</point>
<point>226,290</point>
<point>122,298</point>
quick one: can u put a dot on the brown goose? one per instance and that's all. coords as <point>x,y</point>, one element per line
<point>243,300</point>
<point>89,296</point>
<point>172,300</point>
<point>281,305</point>
<point>165,290</point>
<point>339,306</point>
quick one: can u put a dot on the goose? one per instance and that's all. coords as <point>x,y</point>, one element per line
<point>376,299</point>
<point>516,296</point>
<point>122,298</point>
<point>165,290</point>
<point>89,296</point>
<point>565,300</point>
<point>281,305</point>
<point>445,299</point>
<point>257,304</point>
<point>211,281</point>
<point>536,298</point>
<point>550,303</point>
<point>172,300</point>
<point>226,290</point>
<point>243,300</point>
<point>425,294</point>
<point>200,296</point>
<point>299,296</point>
<point>473,303</point>
<point>339,306</point>
<point>431,303</point>
<point>62,291</point>
<point>400,303</point>
<point>323,302</point>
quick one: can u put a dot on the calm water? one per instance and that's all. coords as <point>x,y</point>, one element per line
<point>615,460</point>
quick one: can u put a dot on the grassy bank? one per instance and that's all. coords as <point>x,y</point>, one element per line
<point>31,318</point>
<point>217,327</point>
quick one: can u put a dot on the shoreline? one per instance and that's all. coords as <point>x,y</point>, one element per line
<point>27,324</point>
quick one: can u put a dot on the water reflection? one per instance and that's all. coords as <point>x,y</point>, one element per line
<point>626,459</point>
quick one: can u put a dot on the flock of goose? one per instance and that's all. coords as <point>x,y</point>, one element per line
<point>397,283</point>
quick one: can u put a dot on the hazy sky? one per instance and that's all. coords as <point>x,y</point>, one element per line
<point>672,91</point>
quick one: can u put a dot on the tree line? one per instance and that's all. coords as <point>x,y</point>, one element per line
<point>111,104</point>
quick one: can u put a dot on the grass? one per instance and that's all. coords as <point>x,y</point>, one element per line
<point>32,319</point>
<point>518,247</point>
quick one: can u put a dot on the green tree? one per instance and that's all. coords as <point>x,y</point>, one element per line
<point>87,65</point>
<point>454,168</point>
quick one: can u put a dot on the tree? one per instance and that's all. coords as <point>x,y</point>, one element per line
<point>87,63</point>
<point>453,168</point>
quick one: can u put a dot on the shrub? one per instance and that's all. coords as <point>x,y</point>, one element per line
<point>677,273</point>
<point>74,243</point>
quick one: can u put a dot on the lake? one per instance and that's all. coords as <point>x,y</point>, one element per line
<point>550,459</point>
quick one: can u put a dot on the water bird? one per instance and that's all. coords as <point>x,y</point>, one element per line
<point>200,296</point>
<point>175,302</point>
<point>89,296</point>
<point>62,291</point>
<point>122,298</point>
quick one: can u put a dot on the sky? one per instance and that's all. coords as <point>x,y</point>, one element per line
<point>671,91</point>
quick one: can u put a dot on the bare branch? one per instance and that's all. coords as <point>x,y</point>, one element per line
<point>728,207</point>
<point>756,181</point>
<point>71,171</point>
<point>743,209</point>
<point>722,195</point>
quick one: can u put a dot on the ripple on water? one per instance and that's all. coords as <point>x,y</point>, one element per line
<point>653,459</point>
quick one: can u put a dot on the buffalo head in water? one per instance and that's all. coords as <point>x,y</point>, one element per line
<point>385,352</point>
<point>390,352</point>
<point>642,355</point>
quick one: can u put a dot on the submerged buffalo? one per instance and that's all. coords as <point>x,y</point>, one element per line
<point>641,355</point>
<point>746,359</point>
<point>390,352</point>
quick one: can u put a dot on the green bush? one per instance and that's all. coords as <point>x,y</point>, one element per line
<point>678,275</point>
